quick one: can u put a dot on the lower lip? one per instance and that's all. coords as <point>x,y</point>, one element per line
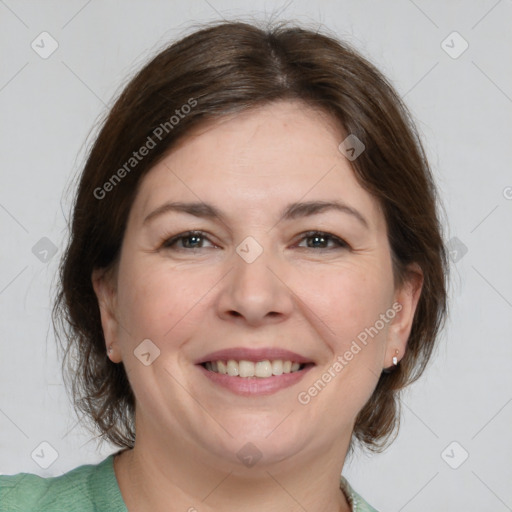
<point>255,386</point>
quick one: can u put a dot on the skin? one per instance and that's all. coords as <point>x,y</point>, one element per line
<point>191,301</point>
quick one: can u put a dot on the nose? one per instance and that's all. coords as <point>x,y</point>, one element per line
<point>256,292</point>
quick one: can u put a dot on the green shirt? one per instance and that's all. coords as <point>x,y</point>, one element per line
<point>89,488</point>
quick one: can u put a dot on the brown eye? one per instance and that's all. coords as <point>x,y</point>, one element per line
<point>188,240</point>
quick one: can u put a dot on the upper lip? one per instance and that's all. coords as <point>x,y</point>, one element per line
<point>253,354</point>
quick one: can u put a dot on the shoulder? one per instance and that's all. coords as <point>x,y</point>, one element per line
<point>356,501</point>
<point>86,488</point>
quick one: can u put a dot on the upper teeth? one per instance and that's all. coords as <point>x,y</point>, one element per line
<point>250,369</point>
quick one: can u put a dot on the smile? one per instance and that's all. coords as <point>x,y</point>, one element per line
<point>260,369</point>
<point>254,372</point>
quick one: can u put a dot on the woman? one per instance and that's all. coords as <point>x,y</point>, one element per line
<point>255,270</point>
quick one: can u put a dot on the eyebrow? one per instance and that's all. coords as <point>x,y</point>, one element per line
<point>292,211</point>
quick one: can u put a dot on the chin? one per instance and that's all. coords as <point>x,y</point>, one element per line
<point>262,444</point>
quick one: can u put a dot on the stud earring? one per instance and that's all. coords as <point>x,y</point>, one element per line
<point>109,351</point>
<point>395,359</point>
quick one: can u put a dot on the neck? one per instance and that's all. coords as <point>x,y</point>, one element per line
<point>155,478</point>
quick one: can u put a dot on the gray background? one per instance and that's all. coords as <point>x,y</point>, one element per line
<point>462,106</point>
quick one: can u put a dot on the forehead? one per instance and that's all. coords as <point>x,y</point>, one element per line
<point>276,154</point>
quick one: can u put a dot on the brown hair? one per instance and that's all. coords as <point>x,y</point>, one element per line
<point>224,69</point>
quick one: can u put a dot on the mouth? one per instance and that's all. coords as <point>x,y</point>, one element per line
<point>252,372</point>
<point>259,369</point>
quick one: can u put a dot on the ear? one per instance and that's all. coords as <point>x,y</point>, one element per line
<point>406,302</point>
<point>106,293</point>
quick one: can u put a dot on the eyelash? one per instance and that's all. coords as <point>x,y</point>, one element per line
<point>170,242</point>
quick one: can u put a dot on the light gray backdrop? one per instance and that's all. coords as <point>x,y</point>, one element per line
<point>462,100</point>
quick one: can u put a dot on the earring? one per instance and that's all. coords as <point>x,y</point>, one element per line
<point>395,359</point>
<point>109,351</point>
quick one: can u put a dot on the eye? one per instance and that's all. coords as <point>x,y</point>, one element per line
<point>195,240</point>
<point>320,240</point>
<point>188,240</point>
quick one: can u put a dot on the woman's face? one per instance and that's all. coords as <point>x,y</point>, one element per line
<point>269,278</point>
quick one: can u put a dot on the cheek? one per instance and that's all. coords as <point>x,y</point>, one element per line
<point>156,301</point>
<point>347,299</point>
